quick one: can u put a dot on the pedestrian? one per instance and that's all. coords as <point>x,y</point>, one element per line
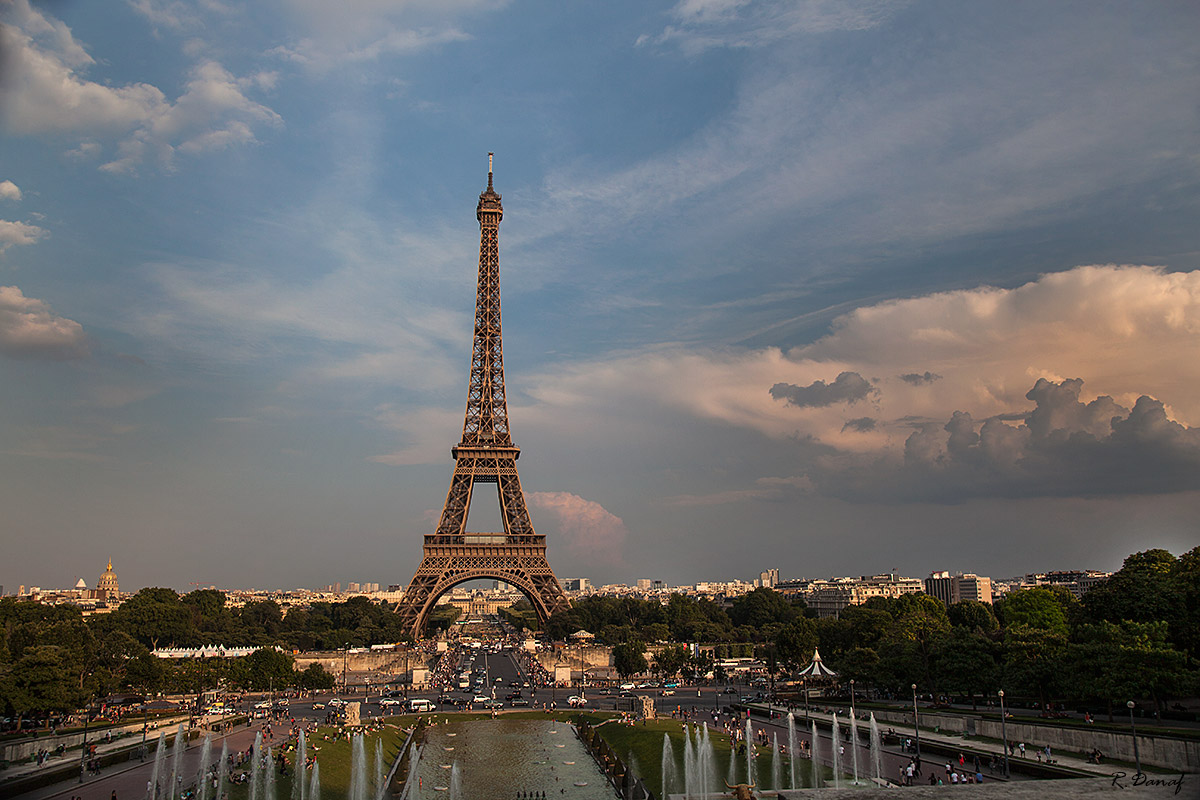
<point>1021,746</point>
<point>114,795</point>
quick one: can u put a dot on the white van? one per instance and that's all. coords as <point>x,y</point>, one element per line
<point>417,705</point>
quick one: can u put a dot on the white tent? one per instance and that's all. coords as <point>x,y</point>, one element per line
<point>817,668</point>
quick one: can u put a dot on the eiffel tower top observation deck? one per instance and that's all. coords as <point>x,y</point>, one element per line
<point>486,454</point>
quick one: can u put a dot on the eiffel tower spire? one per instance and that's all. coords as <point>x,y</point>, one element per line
<point>485,454</point>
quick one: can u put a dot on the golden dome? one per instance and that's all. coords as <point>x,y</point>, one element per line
<point>107,585</point>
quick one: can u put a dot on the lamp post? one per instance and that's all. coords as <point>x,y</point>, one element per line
<point>87,715</point>
<point>805,698</point>
<point>916,720</point>
<point>1137,760</point>
<point>1003,732</point>
<point>853,719</point>
<point>345,654</point>
<point>145,725</point>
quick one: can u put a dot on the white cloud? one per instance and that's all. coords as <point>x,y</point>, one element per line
<point>29,329</point>
<point>9,191</point>
<point>1125,331</point>
<point>46,92</point>
<point>18,233</point>
<point>588,530</point>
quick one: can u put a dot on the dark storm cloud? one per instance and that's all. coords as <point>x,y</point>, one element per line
<point>920,379</point>
<point>860,424</point>
<point>848,387</point>
<point>1065,448</point>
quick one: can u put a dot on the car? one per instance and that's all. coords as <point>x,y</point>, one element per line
<point>671,685</point>
<point>318,706</point>
<point>263,704</point>
<point>388,702</point>
<point>481,698</point>
<point>518,701</point>
<point>498,680</point>
<point>574,701</point>
<point>729,690</point>
<point>336,701</point>
<point>666,693</point>
<point>493,704</point>
<point>628,686</point>
<point>418,705</point>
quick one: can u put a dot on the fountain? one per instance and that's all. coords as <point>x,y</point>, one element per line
<point>876,750</point>
<point>202,773</point>
<point>730,775</point>
<point>776,777</point>
<point>835,753</point>
<point>668,766</point>
<point>222,770</point>
<point>749,752</point>
<point>160,756</point>
<point>256,776</point>
<point>380,770</point>
<point>298,764</point>
<point>358,769</point>
<point>792,749</point>
<point>314,783</point>
<point>816,759</point>
<point>268,768</point>
<point>455,782</point>
<point>177,761</point>
<point>854,745</point>
<point>689,765</point>
<point>708,771</point>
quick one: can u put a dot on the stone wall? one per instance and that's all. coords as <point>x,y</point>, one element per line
<point>1158,751</point>
<point>25,748</point>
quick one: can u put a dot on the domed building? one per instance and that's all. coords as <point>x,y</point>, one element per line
<point>107,587</point>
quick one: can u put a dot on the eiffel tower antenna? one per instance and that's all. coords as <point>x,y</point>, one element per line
<point>486,454</point>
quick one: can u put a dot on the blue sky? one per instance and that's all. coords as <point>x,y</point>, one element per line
<point>833,287</point>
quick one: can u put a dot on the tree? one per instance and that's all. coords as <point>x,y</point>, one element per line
<point>1034,660</point>
<point>795,643</point>
<point>315,676</point>
<point>1141,591</point>
<point>629,658</point>
<point>265,668</point>
<point>41,685</point>
<point>670,660</point>
<point>760,608</point>
<point>973,615</point>
<point>966,663</point>
<point>1037,608</point>
<point>156,616</point>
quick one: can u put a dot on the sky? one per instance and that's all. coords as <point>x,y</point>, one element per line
<point>831,287</point>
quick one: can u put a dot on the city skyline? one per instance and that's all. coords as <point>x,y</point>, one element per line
<point>832,288</point>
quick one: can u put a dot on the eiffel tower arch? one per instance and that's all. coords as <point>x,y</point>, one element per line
<point>485,455</point>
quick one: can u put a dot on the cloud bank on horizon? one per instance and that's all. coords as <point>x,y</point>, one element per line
<point>767,265</point>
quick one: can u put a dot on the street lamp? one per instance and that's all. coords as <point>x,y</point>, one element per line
<point>1137,760</point>
<point>916,720</point>
<point>806,698</point>
<point>853,723</point>
<point>1003,732</point>
<point>345,654</point>
<point>87,716</point>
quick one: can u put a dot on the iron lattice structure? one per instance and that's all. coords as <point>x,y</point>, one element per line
<point>486,454</point>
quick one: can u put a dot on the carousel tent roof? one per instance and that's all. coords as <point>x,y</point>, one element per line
<point>582,634</point>
<point>817,668</point>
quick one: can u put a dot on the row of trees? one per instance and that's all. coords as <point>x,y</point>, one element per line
<point>1135,636</point>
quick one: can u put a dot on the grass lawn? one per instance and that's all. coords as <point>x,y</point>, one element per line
<point>645,744</point>
<point>334,756</point>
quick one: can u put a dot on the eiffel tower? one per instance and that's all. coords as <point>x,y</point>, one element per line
<point>486,454</point>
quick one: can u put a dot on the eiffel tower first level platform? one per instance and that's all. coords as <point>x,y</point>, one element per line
<point>486,455</point>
